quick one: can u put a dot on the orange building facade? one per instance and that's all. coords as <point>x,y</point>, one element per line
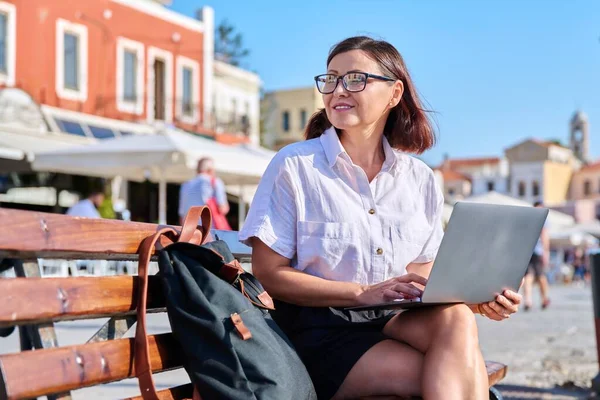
<point>131,60</point>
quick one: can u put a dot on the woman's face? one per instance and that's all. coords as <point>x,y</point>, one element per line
<point>360,110</point>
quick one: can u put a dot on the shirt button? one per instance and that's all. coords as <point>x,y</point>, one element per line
<point>371,211</point>
<point>379,251</point>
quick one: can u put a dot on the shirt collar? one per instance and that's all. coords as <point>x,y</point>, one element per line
<point>332,145</point>
<point>333,148</point>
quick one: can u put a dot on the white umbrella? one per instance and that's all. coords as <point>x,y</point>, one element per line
<point>170,156</point>
<point>572,238</point>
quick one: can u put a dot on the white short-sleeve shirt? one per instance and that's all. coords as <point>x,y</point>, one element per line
<point>315,207</point>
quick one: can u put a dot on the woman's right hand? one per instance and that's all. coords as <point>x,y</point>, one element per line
<point>400,287</point>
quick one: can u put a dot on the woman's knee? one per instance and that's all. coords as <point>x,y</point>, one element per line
<point>455,319</point>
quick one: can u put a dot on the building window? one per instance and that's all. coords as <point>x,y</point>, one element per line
<point>8,42</point>
<point>159,89</point>
<point>71,70</point>
<point>71,60</point>
<point>186,95</point>
<point>587,188</point>
<point>302,119</point>
<point>286,121</point>
<point>535,188</point>
<point>521,189</point>
<point>188,90</point>
<point>490,186</point>
<point>130,76</point>
<point>3,42</point>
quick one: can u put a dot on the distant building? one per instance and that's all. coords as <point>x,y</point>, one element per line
<point>464,177</point>
<point>236,101</point>
<point>456,185</point>
<point>541,171</point>
<point>285,114</point>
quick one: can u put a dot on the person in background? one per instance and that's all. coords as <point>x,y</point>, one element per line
<point>88,207</point>
<point>538,265</point>
<point>580,266</point>
<point>206,189</point>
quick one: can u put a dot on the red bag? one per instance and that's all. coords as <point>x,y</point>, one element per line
<point>219,221</point>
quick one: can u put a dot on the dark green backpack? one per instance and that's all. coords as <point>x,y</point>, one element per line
<point>219,314</point>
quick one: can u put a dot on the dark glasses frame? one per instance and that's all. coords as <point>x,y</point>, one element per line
<point>341,77</point>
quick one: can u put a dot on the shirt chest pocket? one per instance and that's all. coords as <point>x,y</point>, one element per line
<point>328,249</point>
<point>408,240</point>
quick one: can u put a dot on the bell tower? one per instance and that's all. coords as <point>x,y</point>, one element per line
<point>580,136</point>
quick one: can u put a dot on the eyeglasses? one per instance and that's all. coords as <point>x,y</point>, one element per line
<point>352,81</point>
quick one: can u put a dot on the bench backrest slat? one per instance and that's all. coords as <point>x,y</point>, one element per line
<point>34,300</point>
<point>40,372</point>
<point>27,234</point>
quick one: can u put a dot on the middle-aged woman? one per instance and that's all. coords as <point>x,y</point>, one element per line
<point>348,218</point>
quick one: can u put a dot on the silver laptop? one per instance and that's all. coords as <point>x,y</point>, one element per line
<point>486,249</point>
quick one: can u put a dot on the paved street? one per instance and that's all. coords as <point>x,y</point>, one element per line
<point>544,350</point>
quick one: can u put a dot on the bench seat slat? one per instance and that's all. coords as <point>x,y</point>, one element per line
<point>495,370</point>
<point>29,300</point>
<point>40,372</point>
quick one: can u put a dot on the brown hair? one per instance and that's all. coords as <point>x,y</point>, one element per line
<point>407,128</point>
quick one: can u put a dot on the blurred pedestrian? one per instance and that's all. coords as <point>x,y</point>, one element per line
<point>538,265</point>
<point>88,207</point>
<point>206,189</point>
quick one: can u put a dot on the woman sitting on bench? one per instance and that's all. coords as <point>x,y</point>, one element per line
<point>347,218</point>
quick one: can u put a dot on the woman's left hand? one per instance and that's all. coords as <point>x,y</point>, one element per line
<point>505,304</point>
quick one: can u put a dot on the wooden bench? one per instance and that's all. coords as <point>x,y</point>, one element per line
<point>34,303</point>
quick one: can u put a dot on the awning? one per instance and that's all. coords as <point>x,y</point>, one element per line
<point>171,155</point>
<point>168,156</point>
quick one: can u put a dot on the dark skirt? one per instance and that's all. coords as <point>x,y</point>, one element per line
<point>330,340</point>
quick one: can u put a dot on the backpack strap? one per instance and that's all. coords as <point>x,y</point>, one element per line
<point>189,231</point>
<point>141,360</point>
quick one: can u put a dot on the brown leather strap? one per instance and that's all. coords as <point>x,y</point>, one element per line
<point>241,328</point>
<point>189,231</point>
<point>229,272</point>
<point>143,369</point>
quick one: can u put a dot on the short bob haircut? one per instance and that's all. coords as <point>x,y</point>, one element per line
<point>407,128</point>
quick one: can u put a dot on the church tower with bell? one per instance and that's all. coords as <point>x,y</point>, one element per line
<point>580,136</point>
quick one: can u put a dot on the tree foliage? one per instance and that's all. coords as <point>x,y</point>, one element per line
<point>229,46</point>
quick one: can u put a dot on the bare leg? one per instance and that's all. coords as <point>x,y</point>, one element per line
<point>453,366</point>
<point>543,282</point>
<point>389,368</point>
<point>527,289</point>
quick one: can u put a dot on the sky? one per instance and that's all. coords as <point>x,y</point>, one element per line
<point>494,72</point>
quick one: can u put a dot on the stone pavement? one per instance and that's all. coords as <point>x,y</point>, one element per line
<point>551,354</point>
<point>551,349</point>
